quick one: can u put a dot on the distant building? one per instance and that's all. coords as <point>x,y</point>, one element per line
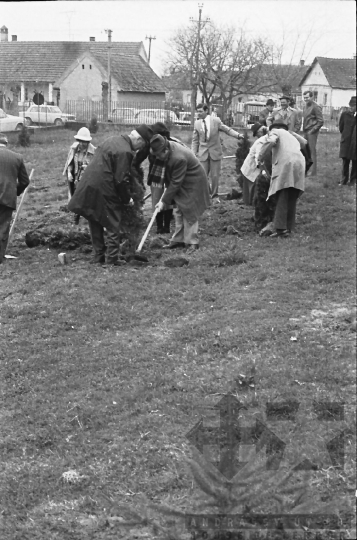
<point>68,70</point>
<point>332,80</point>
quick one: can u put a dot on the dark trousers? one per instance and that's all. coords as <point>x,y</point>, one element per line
<point>346,177</point>
<point>5,220</point>
<point>312,140</point>
<point>284,217</point>
<point>263,209</point>
<point>99,247</point>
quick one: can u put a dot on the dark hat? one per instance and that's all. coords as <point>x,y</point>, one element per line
<point>3,138</point>
<point>270,102</point>
<point>160,129</point>
<point>145,132</point>
<point>255,128</point>
<point>158,143</point>
<point>352,102</point>
<point>278,125</point>
<point>288,98</point>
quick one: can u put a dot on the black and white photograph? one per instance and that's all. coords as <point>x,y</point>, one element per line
<point>178,270</point>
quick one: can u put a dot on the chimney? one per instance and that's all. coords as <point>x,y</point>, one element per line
<point>13,38</point>
<point>302,63</point>
<point>4,34</point>
<point>92,39</point>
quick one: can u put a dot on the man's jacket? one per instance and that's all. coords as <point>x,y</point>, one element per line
<point>13,177</point>
<point>347,127</point>
<point>288,116</point>
<point>211,148</point>
<point>186,183</point>
<point>104,185</point>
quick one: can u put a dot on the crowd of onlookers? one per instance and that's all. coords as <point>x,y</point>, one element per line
<point>184,181</point>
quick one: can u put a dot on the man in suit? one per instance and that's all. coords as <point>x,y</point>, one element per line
<point>206,144</point>
<point>313,121</point>
<point>13,181</point>
<point>285,114</point>
<point>186,184</point>
<point>266,112</point>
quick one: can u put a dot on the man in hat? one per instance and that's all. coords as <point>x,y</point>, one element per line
<point>105,187</point>
<point>79,157</point>
<point>312,123</point>
<point>13,181</point>
<point>187,185</point>
<point>284,114</point>
<point>347,127</point>
<point>206,144</point>
<point>288,175</point>
<point>266,112</point>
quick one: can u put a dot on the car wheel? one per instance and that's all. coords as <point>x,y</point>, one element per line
<point>28,121</point>
<point>18,127</point>
<point>58,122</point>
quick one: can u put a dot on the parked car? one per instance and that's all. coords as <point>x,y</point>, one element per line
<point>151,116</point>
<point>8,122</point>
<point>184,118</point>
<point>124,115</point>
<point>45,114</point>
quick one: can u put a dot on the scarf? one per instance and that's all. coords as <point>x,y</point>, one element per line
<point>156,175</point>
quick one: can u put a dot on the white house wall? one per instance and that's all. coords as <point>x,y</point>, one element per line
<point>316,77</point>
<point>341,98</point>
<point>82,83</point>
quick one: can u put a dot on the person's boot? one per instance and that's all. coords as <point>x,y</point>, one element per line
<point>160,223</point>
<point>167,220</point>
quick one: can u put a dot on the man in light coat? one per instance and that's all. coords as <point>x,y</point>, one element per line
<point>187,185</point>
<point>313,121</point>
<point>13,181</point>
<point>206,144</point>
<point>288,175</point>
<point>285,114</point>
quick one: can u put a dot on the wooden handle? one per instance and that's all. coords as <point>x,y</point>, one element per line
<point>149,227</point>
<point>19,208</point>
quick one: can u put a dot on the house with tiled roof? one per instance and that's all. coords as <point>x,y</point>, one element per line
<point>332,80</point>
<point>69,70</point>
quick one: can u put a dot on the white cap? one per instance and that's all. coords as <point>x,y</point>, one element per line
<point>83,135</point>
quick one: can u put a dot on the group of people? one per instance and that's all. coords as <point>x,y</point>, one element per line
<point>100,180</point>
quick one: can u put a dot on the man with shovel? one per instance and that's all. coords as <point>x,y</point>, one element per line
<point>13,181</point>
<point>187,185</point>
<point>105,187</point>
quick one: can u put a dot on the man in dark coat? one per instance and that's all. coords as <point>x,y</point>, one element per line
<point>347,126</point>
<point>187,185</point>
<point>266,112</point>
<point>13,181</point>
<point>104,189</point>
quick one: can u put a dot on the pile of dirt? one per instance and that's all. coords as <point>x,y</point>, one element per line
<point>57,238</point>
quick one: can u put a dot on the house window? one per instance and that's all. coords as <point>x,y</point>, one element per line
<point>26,94</point>
<point>315,95</point>
<point>90,66</point>
<point>325,99</point>
<point>188,98</point>
<point>82,66</point>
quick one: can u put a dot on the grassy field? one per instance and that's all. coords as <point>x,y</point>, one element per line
<point>103,371</point>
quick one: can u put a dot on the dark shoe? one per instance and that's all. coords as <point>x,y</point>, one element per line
<point>165,230</point>
<point>174,245</point>
<point>101,260</point>
<point>160,230</point>
<point>281,234</point>
<point>116,263</point>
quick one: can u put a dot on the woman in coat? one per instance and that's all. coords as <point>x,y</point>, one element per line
<point>347,127</point>
<point>79,157</point>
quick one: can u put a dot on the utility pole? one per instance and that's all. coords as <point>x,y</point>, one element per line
<point>195,83</point>
<point>109,32</point>
<point>150,38</point>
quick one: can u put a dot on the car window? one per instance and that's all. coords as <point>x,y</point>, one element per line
<point>55,110</point>
<point>2,114</point>
<point>34,109</point>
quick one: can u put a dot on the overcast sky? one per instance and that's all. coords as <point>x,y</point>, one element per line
<point>330,23</point>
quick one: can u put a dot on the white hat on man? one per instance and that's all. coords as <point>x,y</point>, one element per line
<point>83,135</point>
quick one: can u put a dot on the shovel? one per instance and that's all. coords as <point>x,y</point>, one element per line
<point>17,214</point>
<point>142,242</point>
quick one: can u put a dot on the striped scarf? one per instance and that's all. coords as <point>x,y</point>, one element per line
<point>156,175</point>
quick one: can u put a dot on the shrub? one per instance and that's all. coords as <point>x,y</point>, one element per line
<point>24,136</point>
<point>93,125</point>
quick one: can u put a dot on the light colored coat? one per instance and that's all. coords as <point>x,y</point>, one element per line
<point>287,116</point>
<point>212,148</point>
<point>288,163</point>
<point>91,149</point>
<point>250,167</point>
